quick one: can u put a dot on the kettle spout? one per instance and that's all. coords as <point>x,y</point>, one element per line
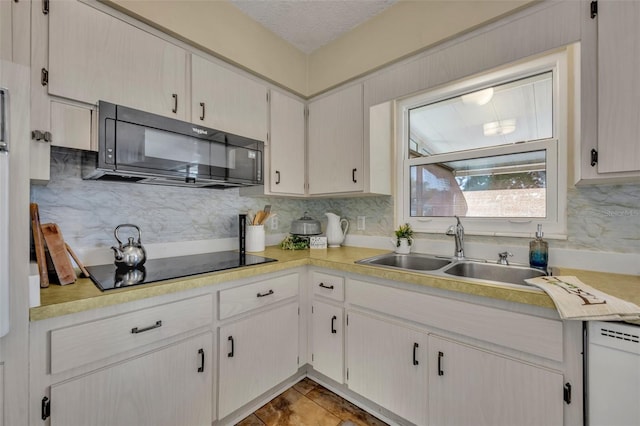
<point>119,255</point>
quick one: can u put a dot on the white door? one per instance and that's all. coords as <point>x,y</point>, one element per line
<point>255,354</point>
<point>336,142</point>
<point>226,100</point>
<point>286,145</point>
<point>171,386</point>
<point>94,56</point>
<point>328,340</point>
<point>618,86</point>
<point>469,386</point>
<point>387,363</point>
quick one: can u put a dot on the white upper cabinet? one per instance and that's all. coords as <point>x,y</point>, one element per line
<point>286,145</point>
<point>226,100</point>
<point>336,144</point>
<point>609,94</point>
<point>618,86</point>
<point>94,56</point>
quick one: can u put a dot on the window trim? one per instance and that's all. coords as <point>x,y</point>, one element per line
<point>554,224</point>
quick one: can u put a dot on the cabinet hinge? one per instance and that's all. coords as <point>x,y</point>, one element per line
<point>594,157</point>
<point>267,97</point>
<point>44,76</point>
<point>46,408</point>
<point>268,137</point>
<point>567,393</point>
<point>594,9</point>
<point>347,320</point>
<point>312,309</point>
<point>347,374</point>
<point>45,7</point>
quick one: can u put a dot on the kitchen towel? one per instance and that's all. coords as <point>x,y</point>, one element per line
<point>576,300</point>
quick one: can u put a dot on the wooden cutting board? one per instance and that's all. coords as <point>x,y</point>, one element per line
<point>38,242</point>
<point>58,253</point>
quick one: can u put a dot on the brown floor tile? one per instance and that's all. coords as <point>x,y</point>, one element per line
<point>341,408</point>
<point>291,408</point>
<point>252,420</point>
<point>305,386</point>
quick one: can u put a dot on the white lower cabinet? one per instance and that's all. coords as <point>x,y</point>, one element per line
<point>327,340</point>
<point>170,386</point>
<point>387,364</point>
<point>256,353</point>
<point>470,386</point>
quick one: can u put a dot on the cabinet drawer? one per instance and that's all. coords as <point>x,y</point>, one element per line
<point>241,299</point>
<point>85,343</point>
<point>327,285</point>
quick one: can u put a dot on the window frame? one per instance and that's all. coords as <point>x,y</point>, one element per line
<point>554,224</point>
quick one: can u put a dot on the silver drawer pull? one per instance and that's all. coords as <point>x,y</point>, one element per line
<point>136,330</point>
<point>270,292</point>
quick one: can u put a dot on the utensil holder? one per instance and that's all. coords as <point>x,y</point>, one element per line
<point>255,238</point>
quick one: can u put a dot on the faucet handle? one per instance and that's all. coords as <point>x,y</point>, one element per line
<point>502,257</point>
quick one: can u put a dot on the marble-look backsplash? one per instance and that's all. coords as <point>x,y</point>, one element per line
<point>600,218</point>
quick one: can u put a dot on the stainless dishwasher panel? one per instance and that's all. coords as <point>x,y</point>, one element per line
<point>613,375</point>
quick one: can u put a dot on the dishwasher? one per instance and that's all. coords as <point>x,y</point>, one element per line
<point>613,374</point>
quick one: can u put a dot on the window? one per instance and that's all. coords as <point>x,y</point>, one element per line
<point>490,149</point>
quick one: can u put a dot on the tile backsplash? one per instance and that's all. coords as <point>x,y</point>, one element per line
<point>600,218</point>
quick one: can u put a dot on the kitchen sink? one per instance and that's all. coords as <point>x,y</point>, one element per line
<point>448,267</point>
<point>414,262</point>
<point>493,272</point>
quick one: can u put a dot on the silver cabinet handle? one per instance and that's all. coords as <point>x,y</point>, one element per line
<point>136,330</point>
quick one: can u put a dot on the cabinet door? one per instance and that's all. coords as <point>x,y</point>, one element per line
<point>286,145</point>
<point>171,386</point>
<point>387,363</point>
<point>471,386</point>
<point>256,354</point>
<point>328,340</point>
<point>336,142</point>
<point>225,100</point>
<point>618,86</point>
<point>94,56</point>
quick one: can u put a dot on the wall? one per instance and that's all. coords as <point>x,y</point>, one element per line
<point>400,31</point>
<point>600,218</point>
<point>405,28</point>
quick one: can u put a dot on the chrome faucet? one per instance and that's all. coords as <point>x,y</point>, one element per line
<point>457,231</point>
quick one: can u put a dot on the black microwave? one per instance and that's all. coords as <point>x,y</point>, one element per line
<point>138,146</point>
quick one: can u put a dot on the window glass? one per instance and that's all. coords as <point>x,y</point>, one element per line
<point>516,111</point>
<point>510,185</point>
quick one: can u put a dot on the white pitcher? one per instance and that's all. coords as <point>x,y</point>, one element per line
<point>335,233</point>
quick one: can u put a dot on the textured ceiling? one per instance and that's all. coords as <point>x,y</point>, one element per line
<point>310,24</point>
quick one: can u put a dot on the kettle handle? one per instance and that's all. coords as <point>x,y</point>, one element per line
<point>130,225</point>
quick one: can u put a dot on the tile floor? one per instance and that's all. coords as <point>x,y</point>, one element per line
<point>307,403</point>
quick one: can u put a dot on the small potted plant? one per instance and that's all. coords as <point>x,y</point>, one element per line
<point>404,238</point>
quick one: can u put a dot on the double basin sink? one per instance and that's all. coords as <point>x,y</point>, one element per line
<point>443,266</point>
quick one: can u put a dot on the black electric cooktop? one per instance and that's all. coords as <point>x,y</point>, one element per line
<point>109,277</point>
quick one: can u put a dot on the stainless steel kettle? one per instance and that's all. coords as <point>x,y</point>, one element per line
<point>132,253</point>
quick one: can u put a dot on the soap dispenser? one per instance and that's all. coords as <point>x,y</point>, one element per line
<point>539,251</point>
